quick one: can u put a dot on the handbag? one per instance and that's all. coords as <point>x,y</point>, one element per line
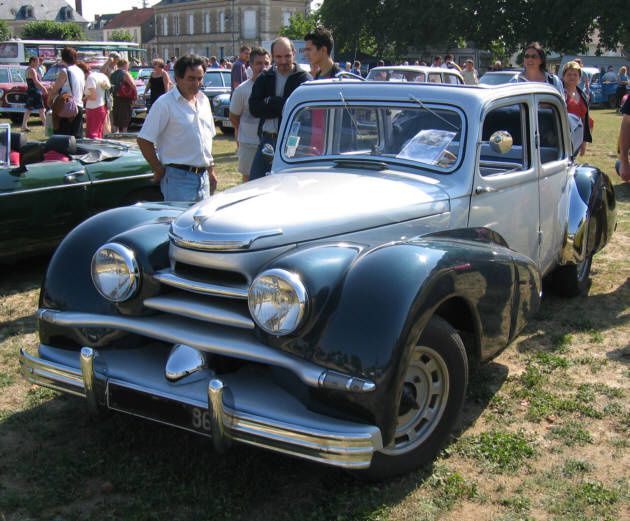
<point>126,91</point>
<point>64,105</point>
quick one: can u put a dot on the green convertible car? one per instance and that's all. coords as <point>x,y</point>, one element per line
<point>48,187</point>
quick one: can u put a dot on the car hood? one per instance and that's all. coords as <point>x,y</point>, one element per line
<point>303,206</point>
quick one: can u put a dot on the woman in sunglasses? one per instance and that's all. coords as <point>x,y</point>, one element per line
<point>535,67</point>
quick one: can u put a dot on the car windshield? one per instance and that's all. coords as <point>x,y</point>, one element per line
<point>51,73</point>
<point>421,134</point>
<point>215,79</point>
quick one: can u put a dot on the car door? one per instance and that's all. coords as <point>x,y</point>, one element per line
<point>39,204</point>
<point>505,193</point>
<point>555,168</point>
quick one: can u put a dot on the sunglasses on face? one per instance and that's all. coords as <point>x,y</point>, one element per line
<point>532,56</point>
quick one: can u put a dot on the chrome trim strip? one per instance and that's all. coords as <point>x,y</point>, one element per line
<point>86,360</point>
<point>170,279</point>
<point>223,241</point>
<point>49,374</point>
<point>203,336</point>
<point>191,306</point>
<point>45,189</point>
<point>117,179</point>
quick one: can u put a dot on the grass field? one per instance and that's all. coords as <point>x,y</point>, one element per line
<point>544,434</point>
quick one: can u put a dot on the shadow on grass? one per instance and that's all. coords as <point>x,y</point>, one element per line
<point>622,192</point>
<point>58,463</point>
<point>601,312</point>
<point>22,275</point>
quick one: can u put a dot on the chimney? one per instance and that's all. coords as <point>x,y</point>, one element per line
<point>79,6</point>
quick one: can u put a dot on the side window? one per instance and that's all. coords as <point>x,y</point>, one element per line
<point>549,133</point>
<point>508,122</point>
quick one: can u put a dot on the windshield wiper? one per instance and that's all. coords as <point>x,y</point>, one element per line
<point>423,106</point>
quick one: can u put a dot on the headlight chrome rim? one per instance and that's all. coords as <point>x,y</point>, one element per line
<point>133,272</point>
<point>301,297</point>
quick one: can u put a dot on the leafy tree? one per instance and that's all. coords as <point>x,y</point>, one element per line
<point>5,31</point>
<point>49,30</point>
<point>121,35</point>
<point>299,25</point>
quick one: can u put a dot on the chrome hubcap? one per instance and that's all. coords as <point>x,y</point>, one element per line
<point>423,400</point>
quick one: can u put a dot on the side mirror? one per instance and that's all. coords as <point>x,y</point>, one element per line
<point>577,133</point>
<point>268,152</point>
<point>501,142</point>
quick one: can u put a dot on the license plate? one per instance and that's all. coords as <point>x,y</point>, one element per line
<point>158,408</point>
<point>226,124</point>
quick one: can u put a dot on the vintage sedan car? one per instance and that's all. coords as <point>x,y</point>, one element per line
<point>221,113</point>
<point>47,188</point>
<point>12,92</point>
<point>332,310</point>
<point>415,73</point>
<point>492,78</point>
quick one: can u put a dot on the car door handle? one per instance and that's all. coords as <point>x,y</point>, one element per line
<point>73,177</point>
<point>484,190</point>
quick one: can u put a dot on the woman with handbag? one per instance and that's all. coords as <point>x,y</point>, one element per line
<point>66,96</point>
<point>125,93</point>
<point>34,94</point>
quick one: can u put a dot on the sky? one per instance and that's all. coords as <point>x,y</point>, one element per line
<point>92,7</point>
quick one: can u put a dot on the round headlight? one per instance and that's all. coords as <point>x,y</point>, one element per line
<point>216,101</point>
<point>115,272</point>
<point>277,301</point>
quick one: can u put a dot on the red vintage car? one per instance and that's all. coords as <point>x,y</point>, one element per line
<point>12,91</point>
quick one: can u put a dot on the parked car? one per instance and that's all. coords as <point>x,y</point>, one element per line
<point>602,93</point>
<point>216,82</point>
<point>415,73</point>
<point>332,309</point>
<point>12,92</point>
<point>499,77</point>
<point>41,200</point>
<point>221,112</point>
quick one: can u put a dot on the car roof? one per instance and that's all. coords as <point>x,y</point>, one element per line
<point>464,96</point>
<point>415,68</point>
<point>510,72</point>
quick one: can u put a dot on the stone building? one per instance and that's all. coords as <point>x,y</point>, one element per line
<point>218,27</point>
<point>139,23</point>
<point>18,13</point>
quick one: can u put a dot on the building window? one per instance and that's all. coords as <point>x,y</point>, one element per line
<point>206,22</point>
<point>176,52</point>
<point>191,24</point>
<point>165,26</point>
<point>65,13</point>
<point>286,18</point>
<point>176,25</point>
<point>222,22</point>
<point>249,24</point>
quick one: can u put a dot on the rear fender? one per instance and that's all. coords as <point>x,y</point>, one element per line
<point>592,215</point>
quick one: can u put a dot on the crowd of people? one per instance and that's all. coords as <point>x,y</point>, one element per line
<point>176,138</point>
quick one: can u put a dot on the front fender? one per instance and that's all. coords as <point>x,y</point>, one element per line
<point>68,281</point>
<point>592,215</point>
<point>385,297</point>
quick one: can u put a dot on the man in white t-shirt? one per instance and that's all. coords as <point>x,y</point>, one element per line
<point>246,125</point>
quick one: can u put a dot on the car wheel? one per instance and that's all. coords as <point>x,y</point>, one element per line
<point>573,280</point>
<point>433,392</point>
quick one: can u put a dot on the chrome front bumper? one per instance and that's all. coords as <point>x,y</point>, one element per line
<point>245,406</point>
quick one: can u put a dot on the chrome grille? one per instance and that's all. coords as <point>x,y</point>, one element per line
<point>16,97</point>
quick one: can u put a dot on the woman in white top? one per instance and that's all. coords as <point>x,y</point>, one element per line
<point>69,80</point>
<point>95,104</point>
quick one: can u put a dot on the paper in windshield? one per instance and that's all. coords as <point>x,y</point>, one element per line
<point>427,146</point>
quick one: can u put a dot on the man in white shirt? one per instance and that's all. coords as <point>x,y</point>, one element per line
<point>246,125</point>
<point>176,138</point>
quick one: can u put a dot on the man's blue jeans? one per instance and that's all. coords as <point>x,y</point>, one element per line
<point>182,185</point>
